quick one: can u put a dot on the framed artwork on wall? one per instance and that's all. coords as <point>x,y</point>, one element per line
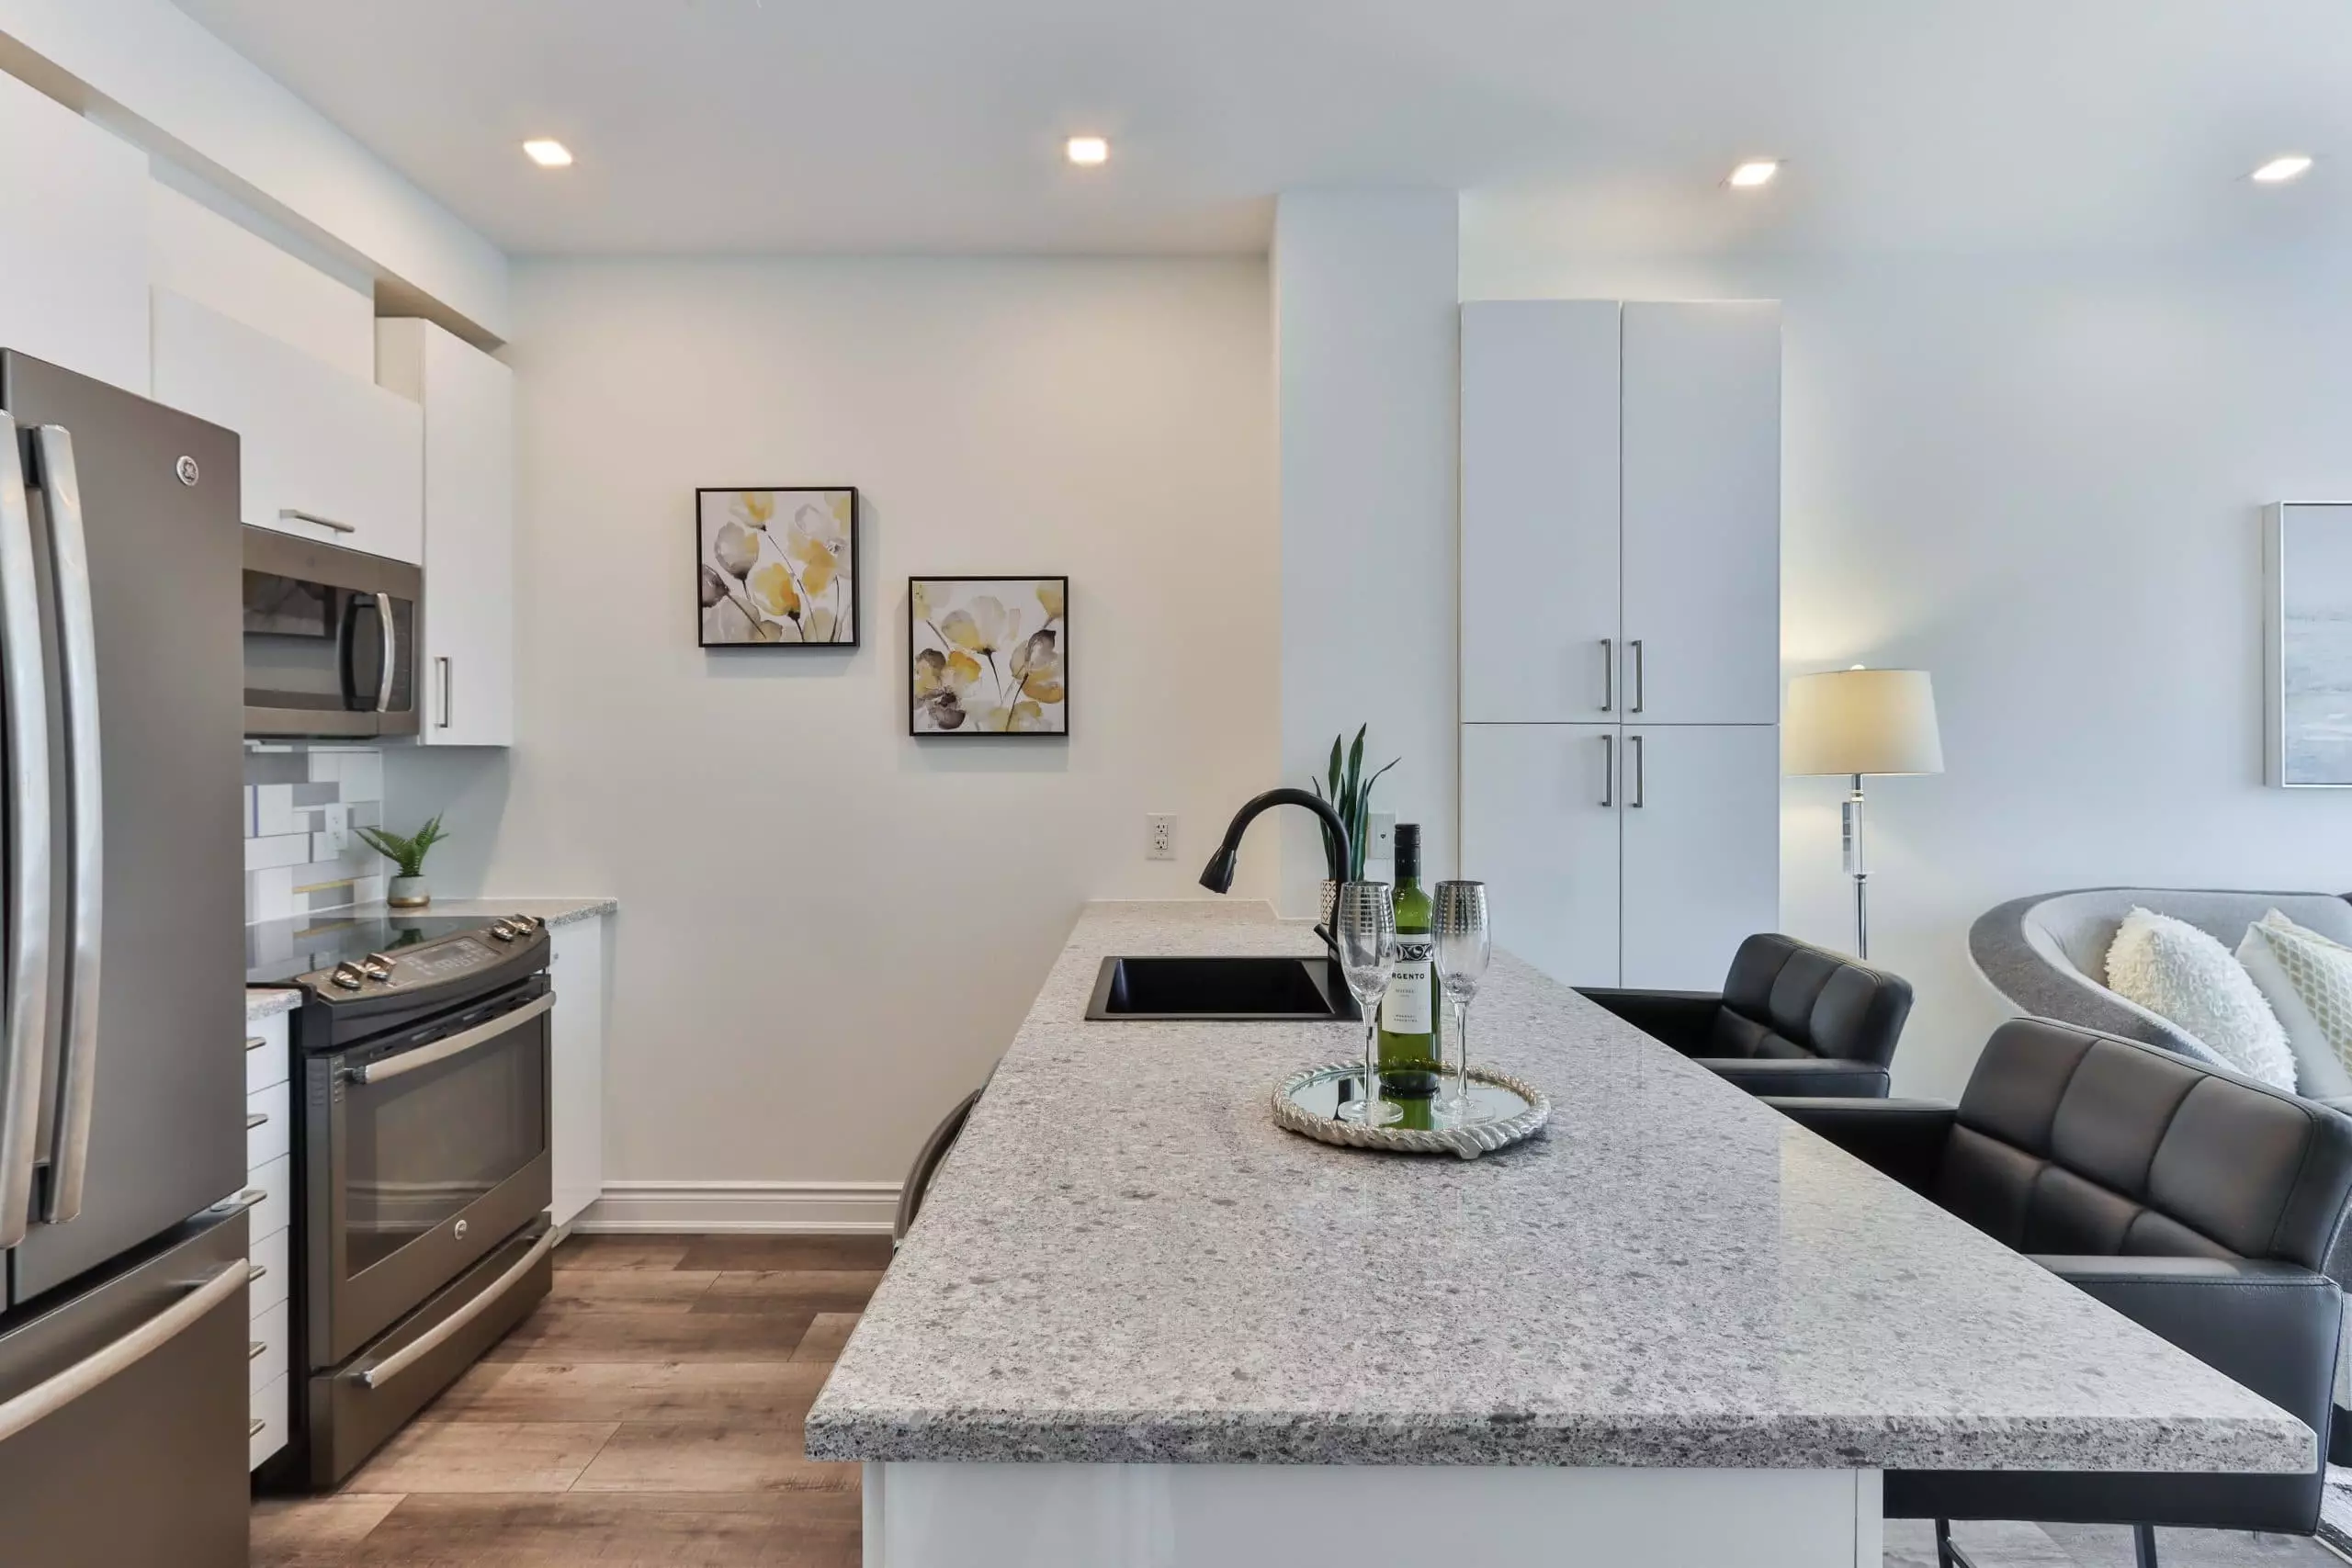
<point>987,656</point>
<point>2307,665</point>
<point>777,568</point>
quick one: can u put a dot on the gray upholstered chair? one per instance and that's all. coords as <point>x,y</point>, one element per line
<point>2048,956</point>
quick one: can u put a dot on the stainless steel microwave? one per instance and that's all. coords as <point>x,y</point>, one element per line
<point>331,639</point>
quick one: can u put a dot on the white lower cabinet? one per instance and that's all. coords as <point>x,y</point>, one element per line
<point>576,967</point>
<point>1624,855</point>
<point>322,455</point>
<point>1539,826</point>
<point>269,1113</point>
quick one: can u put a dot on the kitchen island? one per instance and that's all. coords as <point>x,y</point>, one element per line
<point>1140,1323</point>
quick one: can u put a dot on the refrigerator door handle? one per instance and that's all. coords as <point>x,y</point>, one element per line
<point>24,1046</point>
<point>77,638</point>
<point>391,638</point>
<point>45,1399</point>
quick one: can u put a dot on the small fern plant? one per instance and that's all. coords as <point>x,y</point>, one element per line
<point>409,852</point>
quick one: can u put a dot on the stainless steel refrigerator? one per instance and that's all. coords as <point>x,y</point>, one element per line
<point>123,1319</point>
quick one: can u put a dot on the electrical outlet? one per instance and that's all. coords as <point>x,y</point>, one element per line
<point>1384,837</point>
<point>336,822</point>
<point>1160,838</point>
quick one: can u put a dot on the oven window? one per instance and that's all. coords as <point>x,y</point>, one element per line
<point>420,1147</point>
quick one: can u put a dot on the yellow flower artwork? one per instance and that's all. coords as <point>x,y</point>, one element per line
<point>990,655</point>
<point>776,567</point>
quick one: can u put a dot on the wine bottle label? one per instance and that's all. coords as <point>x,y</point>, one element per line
<point>1405,1009</point>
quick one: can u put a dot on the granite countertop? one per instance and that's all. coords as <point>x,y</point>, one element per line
<point>269,1004</point>
<point>1125,1260</point>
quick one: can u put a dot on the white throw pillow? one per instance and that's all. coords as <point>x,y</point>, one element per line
<point>2318,972</point>
<point>2186,977</point>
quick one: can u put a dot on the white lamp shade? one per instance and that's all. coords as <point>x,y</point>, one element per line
<point>1861,721</point>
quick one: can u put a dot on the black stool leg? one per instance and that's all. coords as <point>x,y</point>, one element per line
<point>1948,1551</point>
<point>2144,1545</point>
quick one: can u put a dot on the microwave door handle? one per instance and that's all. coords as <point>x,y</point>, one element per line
<point>77,640</point>
<point>24,1044</point>
<point>391,643</point>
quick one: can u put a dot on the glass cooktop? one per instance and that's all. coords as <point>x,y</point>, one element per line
<point>278,951</point>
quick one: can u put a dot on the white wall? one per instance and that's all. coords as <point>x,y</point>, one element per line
<point>828,930</point>
<point>151,74</point>
<point>2039,478</point>
<point>1367,346</point>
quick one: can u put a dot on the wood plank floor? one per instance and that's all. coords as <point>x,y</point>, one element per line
<point>647,1414</point>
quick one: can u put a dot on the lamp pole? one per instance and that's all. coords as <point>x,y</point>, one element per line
<point>1857,867</point>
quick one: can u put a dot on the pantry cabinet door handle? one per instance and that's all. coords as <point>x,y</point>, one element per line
<point>1641,771</point>
<point>1608,770</point>
<point>1641,674</point>
<point>1608,673</point>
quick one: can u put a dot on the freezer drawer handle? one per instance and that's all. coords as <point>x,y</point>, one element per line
<point>295,515</point>
<point>442,1050</point>
<point>28,916</point>
<point>77,638</point>
<point>424,1344</point>
<point>45,1399</point>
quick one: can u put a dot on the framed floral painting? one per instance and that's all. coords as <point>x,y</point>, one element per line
<point>777,568</point>
<point>990,655</point>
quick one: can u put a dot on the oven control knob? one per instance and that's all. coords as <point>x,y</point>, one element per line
<point>502,931</point>
<point>377,967</point>
<point>347,976</point>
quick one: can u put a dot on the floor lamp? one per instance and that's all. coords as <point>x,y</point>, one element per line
<point>1858,722</point>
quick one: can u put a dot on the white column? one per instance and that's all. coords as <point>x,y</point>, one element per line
<point>1366,290</point>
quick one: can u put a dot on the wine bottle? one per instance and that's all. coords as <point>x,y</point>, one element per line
<point>1409,1038</point>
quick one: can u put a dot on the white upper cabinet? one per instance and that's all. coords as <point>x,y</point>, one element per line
<point>468,402</point>
<point>1701,511</point>
<point>73,245</point>
<point>1540,635</point>
<point>326,456</point>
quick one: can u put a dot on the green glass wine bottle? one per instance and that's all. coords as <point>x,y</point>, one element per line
<point>1409,1012</point>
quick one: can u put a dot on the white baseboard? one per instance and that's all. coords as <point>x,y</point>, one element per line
<point>701,1208</point>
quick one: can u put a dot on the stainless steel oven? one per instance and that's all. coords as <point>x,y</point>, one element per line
<point>331,639</point>
<point>427,1148</point>
<point>420,1232</point>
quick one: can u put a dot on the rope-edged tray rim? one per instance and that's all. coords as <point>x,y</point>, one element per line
<point>1467,1142</point>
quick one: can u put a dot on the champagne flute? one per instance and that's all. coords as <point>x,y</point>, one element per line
<point>1462,944</point>
<point>1363,926</point>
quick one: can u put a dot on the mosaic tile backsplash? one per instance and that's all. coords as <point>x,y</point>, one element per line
<point>301,804</point>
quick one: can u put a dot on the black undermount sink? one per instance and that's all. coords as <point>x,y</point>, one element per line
<point>1300,990</point>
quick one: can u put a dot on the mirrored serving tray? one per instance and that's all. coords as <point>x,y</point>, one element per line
<point>1509,1110</point>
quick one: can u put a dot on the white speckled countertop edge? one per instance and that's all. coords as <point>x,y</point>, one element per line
<point>1124,1261</point>
<point>262,1004</point>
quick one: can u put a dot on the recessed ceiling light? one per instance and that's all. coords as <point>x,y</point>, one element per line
<point>2280,169</point>
<point>1755,172</point>
<point>547,152</point>
<point>1088,151</point>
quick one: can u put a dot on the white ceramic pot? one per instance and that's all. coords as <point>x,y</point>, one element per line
<point>408,893</point>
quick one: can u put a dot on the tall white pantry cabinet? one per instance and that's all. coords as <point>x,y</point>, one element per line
<point>1621,633</point>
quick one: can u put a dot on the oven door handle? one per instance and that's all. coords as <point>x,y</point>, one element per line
<point>432,1339</point>
<point>455,1044</point>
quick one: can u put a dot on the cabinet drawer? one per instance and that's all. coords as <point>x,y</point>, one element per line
<point>266,1358</point>
<point>267,1058</point>
<point>268,1254</point>
<point>269,1130</point>
<point>274,1211</point>
<point>265,1425</point>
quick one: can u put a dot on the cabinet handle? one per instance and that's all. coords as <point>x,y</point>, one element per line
<point>253,1428</point>
<point>447,687</point>
<point>295,515</point>
<point>258,1119</point>
<point>1641,771</point>
<point>259,1269</point>
<point>1641,674</point>
<point>256,1042</point>
<point>1607,674</point>
<point>253,1350</point>
<point>1608,770</point>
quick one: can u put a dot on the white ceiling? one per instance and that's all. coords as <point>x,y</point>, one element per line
<point>895,125</point>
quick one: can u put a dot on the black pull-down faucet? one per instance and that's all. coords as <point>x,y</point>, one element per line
<point>1217,875</point>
